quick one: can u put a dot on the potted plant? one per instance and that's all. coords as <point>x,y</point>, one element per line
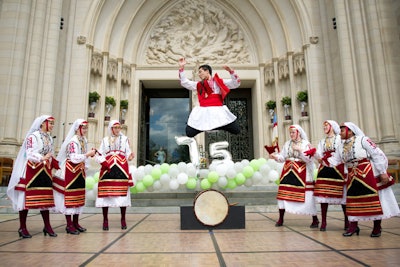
<point>271,105</point>
<point>286,103</point>
<point>110,103</point>
<point>123,107</point>
<point>93,98</point>
<point>302,97</point>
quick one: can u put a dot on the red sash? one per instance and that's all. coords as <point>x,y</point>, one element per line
<point>330,182</point>
<point>37,186</point>
<point>362,191</point>
<point>293,185</point>
<point>113,186</point>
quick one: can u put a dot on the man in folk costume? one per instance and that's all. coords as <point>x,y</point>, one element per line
<point>330,184</point>
<point>212,114</point>
<point>369,195</point>
<point>69,182</point>
<point>31,185</point>
<point>295,192</point>
<point>114,179</point>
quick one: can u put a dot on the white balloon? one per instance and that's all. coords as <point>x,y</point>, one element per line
<point>173,184</point>
<point>95,188</point>
<point>165,179</point>
<point>238,166</point>
<point>273,175</point>
<point>182,167</point>
<point>90,195</point>
<point>221,169</point>
<point>264,180</point>
<point>257,177</point>
<point>140,174</point>
<point>173,171</point>
<point>271,163</point>
<point>248,182</point>
<point>222,182</point>
<point>150,188</point>
<point>191,171</point>
<point>245,162</point>
<point>147,169</point>
<point>157,185</point>
<point>231,173</point>
<point>182,178</point>
<point>279,167</point>
<point>132,169</point>
<point>264,169</point>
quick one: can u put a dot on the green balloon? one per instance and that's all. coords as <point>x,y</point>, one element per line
<point>89,182</point>
<point>148,180</point>
<point>133,190</point>
<point>262,161</point>
<point>156,173</point>
<point>191,183</point>
<point>255,165</point>
<point>140,187</point>
<point>315,174</point>
<point>248,171</point>
<point>164,167</point>
<point>205,184</point>
<point>231,184</point>
<point>212,177</point>
<point>240,179</point>
<point>96,176</point>
<point>277,181</point>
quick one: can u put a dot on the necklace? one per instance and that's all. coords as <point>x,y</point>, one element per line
<point>348,149</point>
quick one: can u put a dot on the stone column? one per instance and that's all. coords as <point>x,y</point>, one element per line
<point>15,20</point>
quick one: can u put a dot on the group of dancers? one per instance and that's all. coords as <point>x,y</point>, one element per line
<point>352,172</point>
<point>35,185</point>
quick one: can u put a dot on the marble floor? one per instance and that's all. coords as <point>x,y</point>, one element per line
<point>156,239</point>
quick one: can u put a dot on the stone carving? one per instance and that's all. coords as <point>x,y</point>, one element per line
<point>283,69</point>
<point>299,63</point>
<point>269,74</point>
<point>97,63</point>
<point>81,39</point>
<point>126,75</point>
<point>112,69</point>
<point>200,31</point>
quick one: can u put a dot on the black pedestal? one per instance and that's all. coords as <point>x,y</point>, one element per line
<point>235,219</point>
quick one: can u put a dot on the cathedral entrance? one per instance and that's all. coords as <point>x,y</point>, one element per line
<point>164,114</point>
<point>241,145</point>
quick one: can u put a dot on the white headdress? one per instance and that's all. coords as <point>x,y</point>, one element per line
<point>335,126</point>
<point>62,155</point>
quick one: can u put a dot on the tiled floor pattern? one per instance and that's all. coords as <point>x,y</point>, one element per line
<point>156,240</point>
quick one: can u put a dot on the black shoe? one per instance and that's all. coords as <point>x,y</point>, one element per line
<point>350,233</point>
<point>24,233</point>
<point>314,224</point>
<point>375,234</point>
<point>50,233</point>
<point>80,228</point>
<point>72,231</point>
<point>278,224</point>
<point>105,226</point>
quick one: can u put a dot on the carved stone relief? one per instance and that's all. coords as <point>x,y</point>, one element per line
<point>97,63</point>
<point>126,75</point>
<point>112,68</point>
<point>299,63</point>
<point>200,31</point>
<point>283,69</point>
<point>269,74</point>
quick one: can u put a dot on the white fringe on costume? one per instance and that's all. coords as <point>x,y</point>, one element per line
<point>121,201</point>
<point>306,208</point>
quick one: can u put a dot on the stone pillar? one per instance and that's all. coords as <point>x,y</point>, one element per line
<point>15,14</point>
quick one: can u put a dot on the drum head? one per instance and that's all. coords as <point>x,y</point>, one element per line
<point>211,207</point>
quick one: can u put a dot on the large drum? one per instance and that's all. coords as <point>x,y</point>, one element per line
<point>211,207</point>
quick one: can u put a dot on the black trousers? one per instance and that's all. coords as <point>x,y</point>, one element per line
<point>232,128</point>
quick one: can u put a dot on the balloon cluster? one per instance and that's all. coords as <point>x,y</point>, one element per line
<point>223,175</point>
